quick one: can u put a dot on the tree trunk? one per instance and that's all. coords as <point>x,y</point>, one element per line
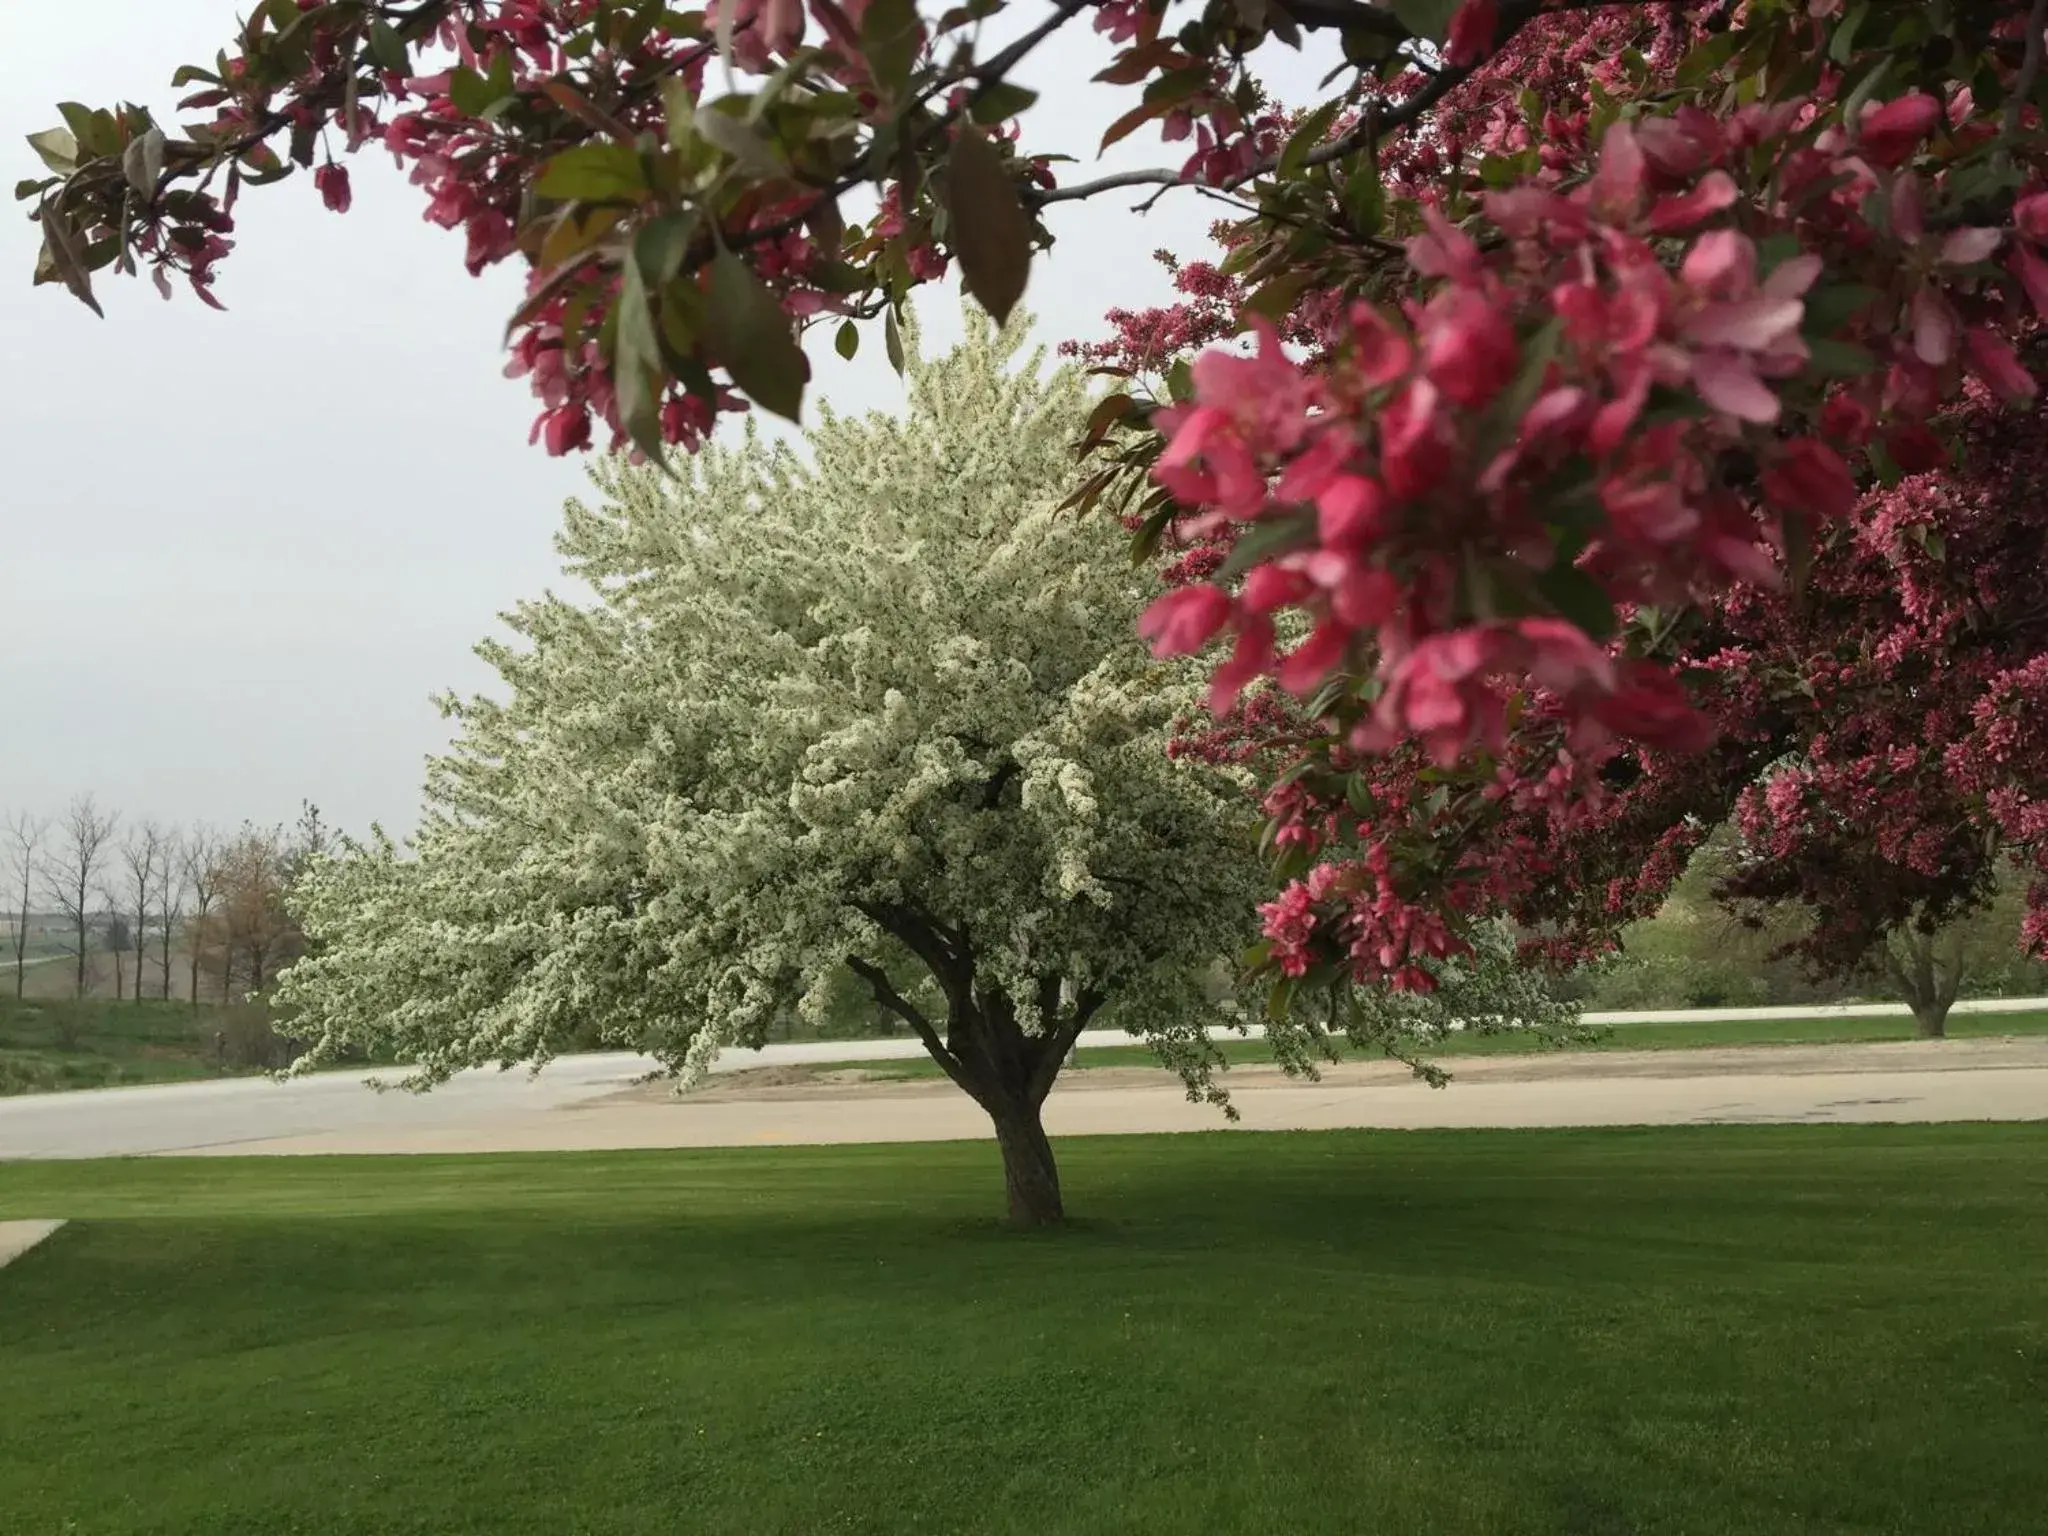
<point>1932,1019</point>
<point>1031,1178</point>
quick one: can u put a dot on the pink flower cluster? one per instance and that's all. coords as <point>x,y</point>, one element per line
<point>1534,365</point>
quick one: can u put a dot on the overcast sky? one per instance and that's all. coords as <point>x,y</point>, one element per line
<point>239,552</point>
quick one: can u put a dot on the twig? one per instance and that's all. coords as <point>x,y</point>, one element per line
<point>2023,84</point>
<point>1368,127</point>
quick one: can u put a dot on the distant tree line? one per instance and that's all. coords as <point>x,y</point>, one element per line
<point>192,912</point>
<point>1708,947</point>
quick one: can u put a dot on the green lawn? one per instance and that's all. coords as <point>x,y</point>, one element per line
<point>1619,1037</point>
<point>1713,1330</point>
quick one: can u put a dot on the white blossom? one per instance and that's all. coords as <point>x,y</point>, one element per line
<point>808,688</point>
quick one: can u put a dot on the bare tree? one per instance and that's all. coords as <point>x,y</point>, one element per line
<point>71,875</point>
<point>24,846</point>
<point>139,856</point>
<point>202,861</point>
<point>170,902</point>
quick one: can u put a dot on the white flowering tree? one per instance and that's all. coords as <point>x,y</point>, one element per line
<point>880,708</point>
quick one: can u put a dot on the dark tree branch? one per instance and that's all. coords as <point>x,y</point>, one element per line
<point>2023,84</point>
<point>1060,1041</point>
<point>887,996</point>
<point>992,791</point>
<point>1375,119</point>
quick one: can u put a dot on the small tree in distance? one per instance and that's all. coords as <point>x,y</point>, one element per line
<point>25,834</point>
<point>71,876</point>
<point>884,710</point>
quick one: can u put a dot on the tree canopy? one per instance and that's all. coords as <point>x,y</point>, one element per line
<point>1590,339</point>
<point>876,705</point>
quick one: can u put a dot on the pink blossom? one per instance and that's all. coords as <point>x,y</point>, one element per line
<point>566,428</point>
<point>1729,383</point>
<point>332,183</point>
<point>1964,246</point>
<point>1469,38</point>
<point>1683,144</point>
<point>2030,217</point>
<point>1617,186</point>
<point>1908,209</point>
<point>1649,706</point>
<point>1468,347</point>
<point>2032,273</point>
<point>1252,657</point>
<point>1888,134</point>
<point>1182,621</point>
<point>1443,249</point>
<point>1271,587</point>
<point>1380,352</point>
<point>1414,455</point>
<point>1934,327</point>
<point>1303,669</point>
<point>1994,361</point>
<point>1716,190</point>
<point>1809,476</point>
<point>1350,512</point>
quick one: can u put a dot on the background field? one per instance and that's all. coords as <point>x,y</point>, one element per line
<point>1735,1329</point>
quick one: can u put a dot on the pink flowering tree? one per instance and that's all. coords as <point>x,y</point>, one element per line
<point>1602,355</point>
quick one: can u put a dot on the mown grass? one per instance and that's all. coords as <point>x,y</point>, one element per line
<point>1701,1330</point>
<point>1617,1037</point>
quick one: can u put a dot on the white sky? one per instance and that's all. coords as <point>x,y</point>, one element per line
<point>239,551</point>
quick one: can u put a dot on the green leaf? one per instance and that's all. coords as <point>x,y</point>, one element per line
<point>636,366</point>
<point>750,335</point>
<point>192,74</point>
<point>575,231</point>
<point>1842,46</point>
<point>1365,200</point>
<point>892,342</point>
<point>1426,18</point>
<point>32,187</point>
<point>1145,543</point>
<point>989,230</point>
<point>1832,305</point>
<point>1177,86</point>
<point>142,162</point>
<point>1277,295</point>
<point>1305,138</point>
<point>1798,553</point>
<point>681,111</point>
<point>593,173</point>
<point>735,137</point>
<point>847,342</point>
<point>1708,57</point>
<point>1267,537</point>
<point>660,247</point>
<point>388,48</point>
<point>86,126</point>
<point>1516,399</point>
<point>58,149</point>
<point>1833,359</point>
<point>888,41</point>
<point>471,93</point>
<point>1578,597</point>
<point>1852,109</point>
<point>1000,102</point>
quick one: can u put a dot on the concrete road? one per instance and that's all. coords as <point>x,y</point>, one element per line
<point>592,1102</point>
